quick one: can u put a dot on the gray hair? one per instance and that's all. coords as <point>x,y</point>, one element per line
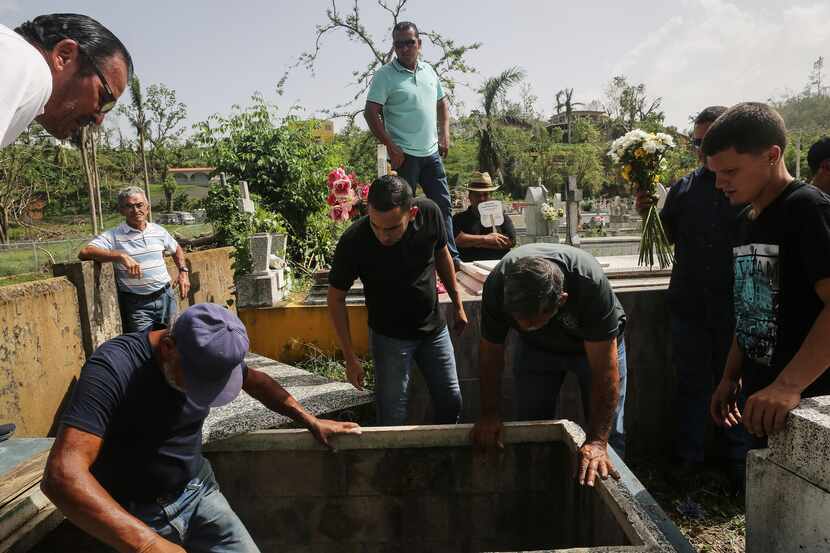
<point>532,285</point>
<point>125,193</point>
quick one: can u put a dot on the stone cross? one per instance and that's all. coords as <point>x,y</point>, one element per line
<point>246,205</point>
<point>574,196</point>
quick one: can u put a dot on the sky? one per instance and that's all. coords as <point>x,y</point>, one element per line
<point>692,53</point>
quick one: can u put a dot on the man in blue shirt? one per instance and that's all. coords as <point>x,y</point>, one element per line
<point>407,111</point>
<point>127,464</point>
<point>701,224</point>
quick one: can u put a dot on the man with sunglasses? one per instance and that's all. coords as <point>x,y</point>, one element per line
<point>701,224</point>
<point>62,70</point>
<point>407,111</point>
<point>137,247</point>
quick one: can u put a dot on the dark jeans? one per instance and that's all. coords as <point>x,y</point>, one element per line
<point>699,353</point>
<point>393,365</point>
<point>429,172</point>
<point>138,311</point>
<point>539,375</point>
<point>200,518</point>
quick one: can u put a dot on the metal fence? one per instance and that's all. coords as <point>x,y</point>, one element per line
<point>20,258</point>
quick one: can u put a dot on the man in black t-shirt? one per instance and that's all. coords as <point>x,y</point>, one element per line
<point>559,300</point>
<point>395,251</point>
<point>780,351</point>
<point>127,463</point>
<point>475,241</point>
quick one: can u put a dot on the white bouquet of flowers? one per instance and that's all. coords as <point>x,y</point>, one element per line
<point>641,157</point>
<point>550,213</point>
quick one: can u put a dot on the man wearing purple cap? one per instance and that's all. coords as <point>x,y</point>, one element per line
<point>127,465</point>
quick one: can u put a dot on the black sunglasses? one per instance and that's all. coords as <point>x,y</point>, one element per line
<point>697,143</point>
<point>405,43</point>
<point>108,99</point>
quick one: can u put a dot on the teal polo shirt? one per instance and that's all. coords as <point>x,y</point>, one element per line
<point>409,100</point>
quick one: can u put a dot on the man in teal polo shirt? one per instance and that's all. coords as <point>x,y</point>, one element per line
<point>407,111</point>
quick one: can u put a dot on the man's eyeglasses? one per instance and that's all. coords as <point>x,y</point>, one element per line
<point>697,143</point>
<point>108,99</point>
<point>137,207</point>
<point>408,43</point>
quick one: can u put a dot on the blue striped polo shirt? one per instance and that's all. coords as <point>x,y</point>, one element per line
<point>147,247</point>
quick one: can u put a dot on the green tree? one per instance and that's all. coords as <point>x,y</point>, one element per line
<point>490,122</point>
<point>279,158</point>
<point>629,106</point>
<point>169,187</point>
<point>449,61</point>
<point>136,113</point>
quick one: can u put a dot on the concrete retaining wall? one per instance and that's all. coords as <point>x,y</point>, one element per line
<point>41,352</point>
<point>426,489</point>
<point>211,278</point>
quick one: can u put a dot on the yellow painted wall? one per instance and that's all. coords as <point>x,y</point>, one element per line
<point>41,352</point>
<point>211,278</point>
<point>282,333</point>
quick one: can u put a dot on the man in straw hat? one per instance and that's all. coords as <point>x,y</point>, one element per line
<point>477,241</point>
<point>127,464</point>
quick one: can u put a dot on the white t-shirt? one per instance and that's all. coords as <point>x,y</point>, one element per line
<point>25,85</point>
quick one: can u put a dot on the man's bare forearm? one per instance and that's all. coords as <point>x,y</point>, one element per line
<point>444,118</point>
<point>93,253</point>
<point>178,257</point>
<point>268,392</point>
<point>372,116</point>
<point>464,240</point>
<point>446,270</point>
<point>83,500</point>
<point>605,388</point>
<point>339,315</point>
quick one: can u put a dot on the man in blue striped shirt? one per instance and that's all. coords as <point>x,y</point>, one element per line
<point>137,248</point>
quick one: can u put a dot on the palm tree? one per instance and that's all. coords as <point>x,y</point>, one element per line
<point>491,156</point>
<point>138,118</point>
<point>563,100</point>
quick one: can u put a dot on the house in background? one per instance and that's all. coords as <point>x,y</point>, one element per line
<point>200,176</point>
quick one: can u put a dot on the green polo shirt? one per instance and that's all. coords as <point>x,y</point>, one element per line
<point>409,100</point>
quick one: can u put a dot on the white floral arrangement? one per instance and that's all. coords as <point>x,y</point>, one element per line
<point>550,213</point>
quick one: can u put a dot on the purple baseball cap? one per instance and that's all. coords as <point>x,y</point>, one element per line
<point>212,343</point>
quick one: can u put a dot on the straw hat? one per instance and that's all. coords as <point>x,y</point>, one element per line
<point>481,182</point>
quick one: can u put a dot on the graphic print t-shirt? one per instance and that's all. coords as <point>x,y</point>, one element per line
<point>779,258</point>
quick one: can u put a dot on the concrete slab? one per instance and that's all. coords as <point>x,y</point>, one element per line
<point>317,394</point>
<point>804,447</point>
<point>784,512</point>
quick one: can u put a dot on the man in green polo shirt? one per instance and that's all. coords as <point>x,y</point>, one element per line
<point>407,111</point>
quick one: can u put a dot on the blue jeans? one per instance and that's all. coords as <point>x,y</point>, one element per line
<point>699,353</point>
<point>539,375</point>
<point>200,519</point>
<point>138,312</point>
<point>393,359</point>
<point>429,172</point>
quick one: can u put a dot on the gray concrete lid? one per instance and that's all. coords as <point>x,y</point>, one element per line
<point>315,393</point>
<point>804,446</point>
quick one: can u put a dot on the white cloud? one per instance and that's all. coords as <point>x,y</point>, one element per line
<point>720,53</point>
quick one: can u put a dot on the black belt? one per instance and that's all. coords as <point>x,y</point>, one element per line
<point>150,296</point>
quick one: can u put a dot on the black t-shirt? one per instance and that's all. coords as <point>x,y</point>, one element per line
<point>592,311</point>
<point>398,280</point>
<point>152,435</point>
<point>701,223</point>
<point>469,222</point>
<point>779,258</point>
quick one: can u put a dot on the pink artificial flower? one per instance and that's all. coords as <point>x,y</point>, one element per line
<point>342,187</point>
<point>336,175</point>
<point>363,192</point>
<point>340,212</point>
<point>331,199</point>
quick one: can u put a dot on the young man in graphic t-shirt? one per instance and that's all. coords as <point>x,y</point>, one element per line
<point>780,351</point>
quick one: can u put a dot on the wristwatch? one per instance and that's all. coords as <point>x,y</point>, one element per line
<point>184,270</point>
